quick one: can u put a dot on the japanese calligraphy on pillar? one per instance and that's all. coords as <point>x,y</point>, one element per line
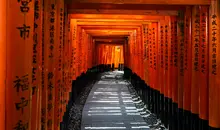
<point>167,57</point>
<point>203,41</point>
<point>145,29</point>
<point>73,24</point>
<point>37,65</point>
<point>214,64</point>
<point>19,64</point>
<point>43,77</point>
<point>203,66</point>
<point>59,62</point>
<point>174,58</point>
<point>154,47</point>
<point>161,57</point>
<point>175,44</point>
<point>187,59</point>
<point>196,41</point>
<point>181,45</point>
<point>80,52</point>
<point>150,48</point>
<point>52,47</point>
<point>195,59</point>
<point>214,43</point>
<point>162,46</point>
<point>181,58</point>
<point>166,46</point>
<point>187,41</point>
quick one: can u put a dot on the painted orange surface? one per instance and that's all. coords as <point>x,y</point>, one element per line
<point>214,62</point>
<point>2,62</point>
<point>150,46</point>
<point>160,54</point>
<point>174,55</point>
<point>180,41</point>
<point>111,54</point>
<point>167,51</point>
<point>19,64</point>
<point>154,51</point>
<point>203,53</point>
<point>195,62</point>
<point>187,59</point>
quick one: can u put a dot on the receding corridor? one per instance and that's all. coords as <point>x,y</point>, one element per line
<point>110,105</point>
<point>109,64</point>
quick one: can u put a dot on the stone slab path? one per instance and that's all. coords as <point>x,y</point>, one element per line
<point>109,106</point>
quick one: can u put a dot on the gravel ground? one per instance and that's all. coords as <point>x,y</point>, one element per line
<point>75,114</point>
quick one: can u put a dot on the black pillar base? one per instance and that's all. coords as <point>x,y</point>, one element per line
<point>187,120</point>
<point>203,124</point>
<point>161,106</point>
<point>174,125</point>
<point>166,111</point>
<point>211,128</point>
<point>170,109</point>
<point>195,122</point>
<point>180,119</point>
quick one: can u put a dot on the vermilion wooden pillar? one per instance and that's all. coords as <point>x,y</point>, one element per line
<point>160,55</point>
<point>155,47</point>
<point>180,34</point>
<point>174,72</point>
<point>50,58</point>
<point>203,60</point>
<point>37,66</point>
<point>174,55</point>
<point>2,62</point>
<point>195,64</point>
<point>169,102</point>
<point>19,63</point>
<point>58,65</point>
<point>161,68</point>
<point>154,33</point>
<point>187,67</point>
<point>66,57</point>
<point>166,56</point>
<point>69,71</point>
<point>80,53</point>
<point>73,42</point>
<point>214,63</point>
<point>146,54</point>
<point>167,52</point>
<point>150,54</point>
<point>78,47</point>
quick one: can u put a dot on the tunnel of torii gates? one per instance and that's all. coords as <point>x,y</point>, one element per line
<point>172,45</point>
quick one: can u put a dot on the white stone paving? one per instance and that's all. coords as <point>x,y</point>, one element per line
<point>109,106</point>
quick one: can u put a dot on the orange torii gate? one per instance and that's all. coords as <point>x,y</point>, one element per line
<point>47,49</point>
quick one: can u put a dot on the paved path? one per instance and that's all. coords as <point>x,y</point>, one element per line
<point>109,106</point>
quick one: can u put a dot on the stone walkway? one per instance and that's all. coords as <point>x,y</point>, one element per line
<point>109,106</point>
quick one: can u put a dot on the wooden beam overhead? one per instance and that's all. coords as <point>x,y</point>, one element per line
<point>109,6</point>
<point>109,30</point>
<point>110,24</point>
<point>109,40</point>
<point>116,17</point>
<point>110,37</point>
<point>109,27</point>
<point>111,43</point>
<point>107,34</point>
<point>126,12</point>
<point>147,2</point>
